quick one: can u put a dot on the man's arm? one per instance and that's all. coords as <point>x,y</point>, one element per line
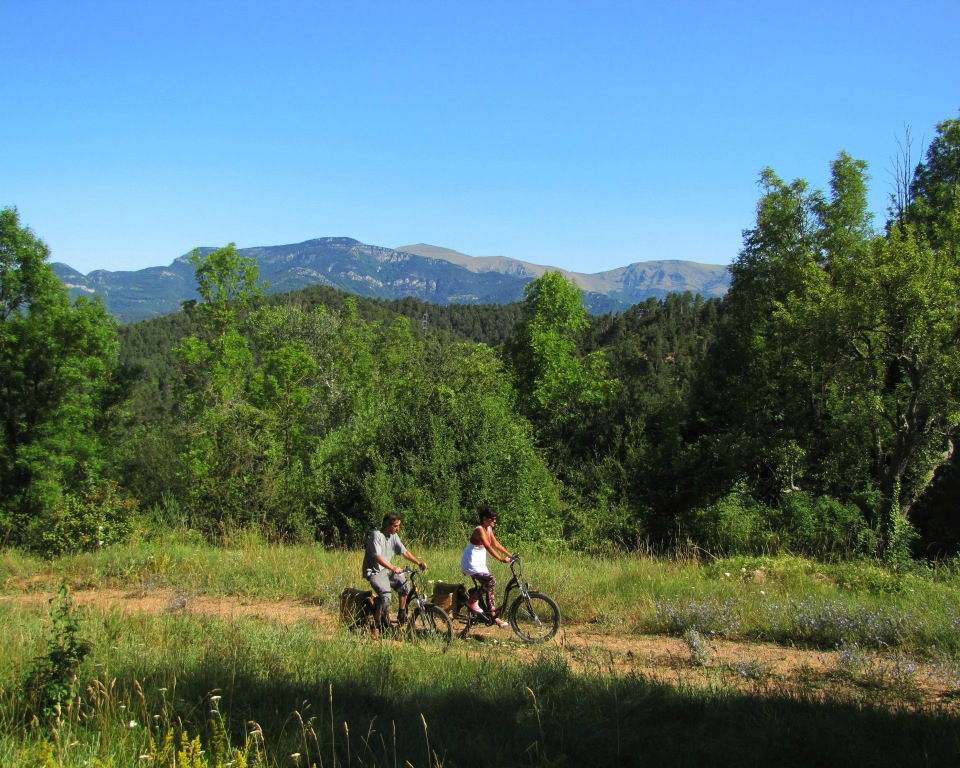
<point>383,561</point>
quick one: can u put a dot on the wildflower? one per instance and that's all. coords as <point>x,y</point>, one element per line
<point>132,724</point>
<point>727,574</point>
<point>215,698</point>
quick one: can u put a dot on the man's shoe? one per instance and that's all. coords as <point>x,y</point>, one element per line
<point>402,617</point>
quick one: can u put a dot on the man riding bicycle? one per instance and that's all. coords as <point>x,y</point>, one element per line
<point>382,545</point>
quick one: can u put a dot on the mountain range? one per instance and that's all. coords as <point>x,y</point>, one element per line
<point>427,272</point>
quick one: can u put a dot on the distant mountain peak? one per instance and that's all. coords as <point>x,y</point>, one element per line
<point>428,272</point>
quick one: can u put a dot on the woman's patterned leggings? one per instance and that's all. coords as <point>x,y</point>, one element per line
<point>488,585</point>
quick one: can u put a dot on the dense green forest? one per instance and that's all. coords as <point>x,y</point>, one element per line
<point>813,409</point>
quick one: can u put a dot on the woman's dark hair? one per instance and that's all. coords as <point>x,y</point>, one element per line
<point>486,511</point>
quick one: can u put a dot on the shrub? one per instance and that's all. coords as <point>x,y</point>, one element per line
<point>52,677</point>
<point>733,524</point>
<point>821,524</point>
<point>831,623</point>
<point>103,515</point>
<point>681,617</point>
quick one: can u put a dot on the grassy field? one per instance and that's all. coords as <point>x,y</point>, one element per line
<point>174,687</point>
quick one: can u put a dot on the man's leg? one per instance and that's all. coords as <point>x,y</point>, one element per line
<point>380,582</point>
<point>399,582</point>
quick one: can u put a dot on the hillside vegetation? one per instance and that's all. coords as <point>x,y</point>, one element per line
<point>813,409</point>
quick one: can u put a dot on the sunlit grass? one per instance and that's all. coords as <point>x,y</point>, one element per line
<point>783,599</point>
<point>255,690</point>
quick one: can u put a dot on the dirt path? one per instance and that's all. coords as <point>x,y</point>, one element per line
<point>758,667</point>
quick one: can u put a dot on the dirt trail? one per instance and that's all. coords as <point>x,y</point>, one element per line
<point>750,666</point>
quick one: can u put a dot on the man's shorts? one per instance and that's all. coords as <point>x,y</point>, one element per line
<point>383,581</point>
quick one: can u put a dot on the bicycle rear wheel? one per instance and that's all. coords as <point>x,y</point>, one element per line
<point>535,618</point>
<point>430,623</point>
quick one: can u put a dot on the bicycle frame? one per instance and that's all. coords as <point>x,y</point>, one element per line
<point>516,581</point>
<point>417,594</point>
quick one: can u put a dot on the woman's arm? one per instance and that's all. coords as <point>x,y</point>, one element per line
<point>492,545</point>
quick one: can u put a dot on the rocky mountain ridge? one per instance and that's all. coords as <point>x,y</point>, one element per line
<point>430,273</point>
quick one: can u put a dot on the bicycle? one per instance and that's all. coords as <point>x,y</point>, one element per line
<point>425,621</point>
<point>533,616</point>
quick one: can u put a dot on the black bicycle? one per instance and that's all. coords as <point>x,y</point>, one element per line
<point>424,621</point>
<point>533,616</point>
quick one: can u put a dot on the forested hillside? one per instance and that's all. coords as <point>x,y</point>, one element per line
<point>814,408</point>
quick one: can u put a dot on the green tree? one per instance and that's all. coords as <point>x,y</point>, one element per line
<point>898,311</point>
<point>60,389</point>
<point>233,453</point>
<point>434,437</point>
<point>751,402</point>
<point>630,476</point>
<point>554,383</point>
<point>838,369</point>
<point>934,195</point>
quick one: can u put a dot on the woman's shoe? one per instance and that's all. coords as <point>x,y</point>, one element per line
<point>500,622</point>
<point>474,606</point>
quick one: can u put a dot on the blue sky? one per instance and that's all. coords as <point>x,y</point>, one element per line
<point>583,135</point>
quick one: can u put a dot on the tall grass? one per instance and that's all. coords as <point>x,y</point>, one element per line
<point>248,689</point>
<point>175,688</point>
<point>783,599</point>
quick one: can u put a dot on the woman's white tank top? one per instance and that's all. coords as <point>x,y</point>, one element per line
<point>474,558</point>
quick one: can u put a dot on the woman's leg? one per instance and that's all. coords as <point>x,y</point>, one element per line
<point>488,584</point>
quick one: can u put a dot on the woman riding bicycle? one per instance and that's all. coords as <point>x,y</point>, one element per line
<point>474,560</point>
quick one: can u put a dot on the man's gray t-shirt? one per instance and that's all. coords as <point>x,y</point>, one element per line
<point>385,546</point>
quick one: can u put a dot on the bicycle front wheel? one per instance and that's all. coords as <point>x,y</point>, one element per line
<point>430,623</point>
<point>535,618</point>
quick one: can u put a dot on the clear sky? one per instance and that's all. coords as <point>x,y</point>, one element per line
<point>585,135</point>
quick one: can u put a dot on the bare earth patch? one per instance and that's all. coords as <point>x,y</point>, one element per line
<point>763,668</point>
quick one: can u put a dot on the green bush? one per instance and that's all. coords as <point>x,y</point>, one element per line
<point>104,514</point>
<point>821,525</point>
<point>735,523</point>
<point>51,678</point>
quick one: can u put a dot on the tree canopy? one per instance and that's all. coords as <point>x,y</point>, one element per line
<point>60,382</point>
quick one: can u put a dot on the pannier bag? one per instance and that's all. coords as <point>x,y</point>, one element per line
<point>354,604</point>
<point>449,596</point>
